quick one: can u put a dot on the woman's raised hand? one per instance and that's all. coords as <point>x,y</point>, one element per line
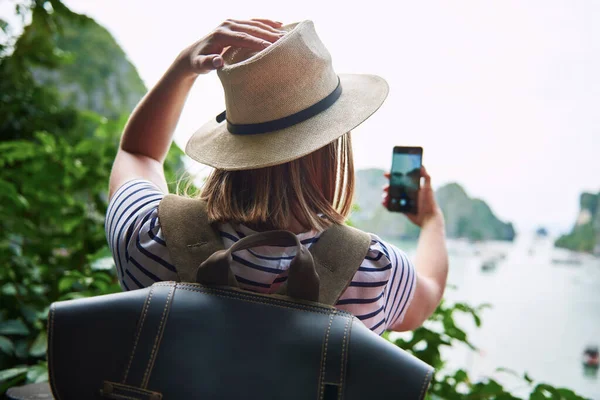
<point>206,54</point>
<point>428,208</point>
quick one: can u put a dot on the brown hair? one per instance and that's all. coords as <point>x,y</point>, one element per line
<point>316,190</point>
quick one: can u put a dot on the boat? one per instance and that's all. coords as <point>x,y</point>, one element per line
<point>541,232</point>
<point>488,265</point>
<point>591,357</point>
<point>567,261</point>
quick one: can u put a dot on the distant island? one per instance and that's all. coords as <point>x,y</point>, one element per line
<point>585,235</point>
<point>466,217</point>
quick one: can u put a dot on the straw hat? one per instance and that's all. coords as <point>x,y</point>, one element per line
<point>283,103</point>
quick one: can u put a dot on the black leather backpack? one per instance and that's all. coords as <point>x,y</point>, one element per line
<point>212,340</point>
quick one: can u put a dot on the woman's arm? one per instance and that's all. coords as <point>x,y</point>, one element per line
<point>432,259</point>
<point>432,271</point>
<point>149,130</point>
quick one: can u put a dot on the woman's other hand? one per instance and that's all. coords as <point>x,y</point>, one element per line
<point>428,209</point>
<point>206,54</point>
<point>431,258</point>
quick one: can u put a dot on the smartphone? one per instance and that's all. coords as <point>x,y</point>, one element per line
<point>405,179</point>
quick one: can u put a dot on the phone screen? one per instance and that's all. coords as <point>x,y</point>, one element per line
<point>405,178</point>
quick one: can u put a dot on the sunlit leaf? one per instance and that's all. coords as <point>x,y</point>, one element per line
<point>7,346</point>
<point>66,283</point>
<point>13,327</point>
<point>9,289</point>
<point>12,372</point>
<point>37,373</point>
<point>39,345</point>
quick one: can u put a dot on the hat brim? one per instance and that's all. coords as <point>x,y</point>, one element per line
<point>215,146</point>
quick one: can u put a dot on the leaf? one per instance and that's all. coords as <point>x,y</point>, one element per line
<point>30,314</point>
<point>103,264</point>
<point>7,346</point>
<point>461,376</point>
<point>21,348</point>
<point>9,289</point>
<point>66,283</point>
<point>13,327</point>
<point>507,370</point>
<point>569,394</point>
<point>6,374</point>
<point>37,373</point>
<point>39,345</point>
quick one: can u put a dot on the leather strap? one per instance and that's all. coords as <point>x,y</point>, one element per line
<point>334,357</point>
<point>303,281</point>
<point>148,337</point>
<point>338,254</point>
<point>191,240</point>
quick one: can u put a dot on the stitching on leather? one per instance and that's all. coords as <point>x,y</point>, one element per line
<point>158,339</point>
<point>51,362</point>
<point>248,299</point>
<point>324,358</point>
<point>207,289</point>
<point>425,384</point>
<point>256,299</point>
<point>119,396</point>
<point>319,377</point>
<point>343,362</point>
<point>132,388</point>
<point>137,336</point>
<point>327,267</point>
<point>196,244</point>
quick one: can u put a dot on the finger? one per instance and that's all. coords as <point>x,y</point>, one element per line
<point>386,188</point>
<point>386,200</point>
<point>226,37</point>
<point>257,24</point>
<point>256,32</point>
<point>424,174</point>
<point>387,175</point>
<point>204,64</point>
<point>274,24</point>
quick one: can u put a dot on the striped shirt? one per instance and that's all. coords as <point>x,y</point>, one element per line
<point>379,294</point>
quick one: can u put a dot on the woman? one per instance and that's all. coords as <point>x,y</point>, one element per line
<point>283,160</point>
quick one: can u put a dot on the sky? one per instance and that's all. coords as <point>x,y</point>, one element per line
<point>503,96</point>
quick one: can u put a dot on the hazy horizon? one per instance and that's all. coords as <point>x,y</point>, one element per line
<point>502,96</point>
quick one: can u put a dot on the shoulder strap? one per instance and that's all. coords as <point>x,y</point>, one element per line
<point>190,238</point>
<point>338,254</point>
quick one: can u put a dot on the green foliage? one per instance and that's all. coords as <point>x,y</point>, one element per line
<point>55,160</point>
<point>581,238</point>
<point>441,330</point>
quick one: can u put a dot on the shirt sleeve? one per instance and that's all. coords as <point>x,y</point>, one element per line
<point>401,286</point>
<point>382,288</point>
<point>135,238</point>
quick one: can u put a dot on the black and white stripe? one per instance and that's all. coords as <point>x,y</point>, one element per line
<point>378,295</point>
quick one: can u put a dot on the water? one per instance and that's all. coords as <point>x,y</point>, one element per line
<point>543,315</point>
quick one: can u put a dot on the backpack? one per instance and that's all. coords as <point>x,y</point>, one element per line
<point>205,338</point>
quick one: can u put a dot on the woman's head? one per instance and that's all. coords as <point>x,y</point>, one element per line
<point>282,103</point>
<point>315,190</point>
